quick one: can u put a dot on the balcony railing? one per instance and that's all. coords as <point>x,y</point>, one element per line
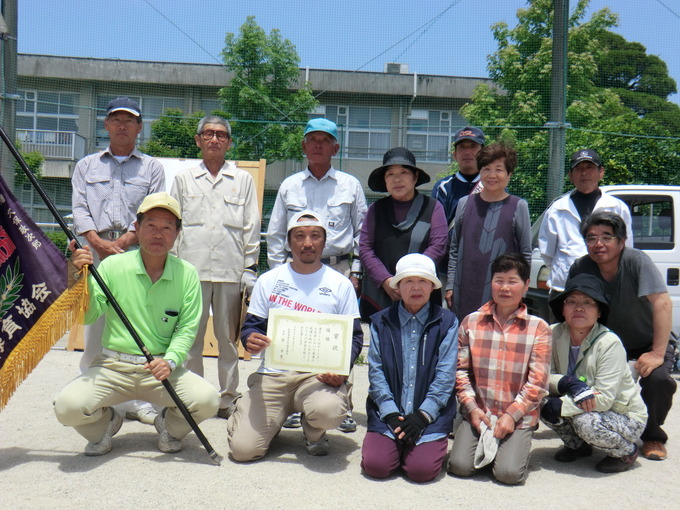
<point>52,144</point>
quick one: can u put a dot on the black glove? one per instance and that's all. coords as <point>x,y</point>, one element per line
<point>579,390</point>
<point>413,426</point>
<point>393,421</point>
<point>552,410</point>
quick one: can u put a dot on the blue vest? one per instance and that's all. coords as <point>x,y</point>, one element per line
<point>386,322</point>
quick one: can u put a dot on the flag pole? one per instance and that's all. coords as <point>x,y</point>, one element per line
<point>217,459</point>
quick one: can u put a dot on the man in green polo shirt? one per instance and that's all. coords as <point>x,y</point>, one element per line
<point>161,296</point>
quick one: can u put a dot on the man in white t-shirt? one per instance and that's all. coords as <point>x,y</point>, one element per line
<point>305,284</point>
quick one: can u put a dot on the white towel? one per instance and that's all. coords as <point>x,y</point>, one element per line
<point>487,447</point>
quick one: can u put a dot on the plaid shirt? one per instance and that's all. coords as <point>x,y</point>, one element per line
<point>503,368</point>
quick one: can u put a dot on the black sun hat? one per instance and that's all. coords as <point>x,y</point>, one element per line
<point>591,286</point>
<point>396,156</point>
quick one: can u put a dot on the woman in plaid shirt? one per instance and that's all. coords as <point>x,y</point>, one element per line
<point>503,368</point>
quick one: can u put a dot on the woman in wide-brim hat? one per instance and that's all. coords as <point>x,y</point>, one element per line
<point>593,399</point>
<point>403,222</point>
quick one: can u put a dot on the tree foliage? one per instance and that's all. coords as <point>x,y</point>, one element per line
<point>625,124</point>
<point>172,135</point>
<point>33,159</point>
<point>267,113</point>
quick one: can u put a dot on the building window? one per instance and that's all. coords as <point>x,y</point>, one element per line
<point>211,105</point>
<point>429,134</point>
<point>152,108</point>
<point>365,130</point>
<point>46,111</point>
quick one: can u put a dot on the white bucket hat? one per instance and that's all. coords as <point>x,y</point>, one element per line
<point>416,264</point>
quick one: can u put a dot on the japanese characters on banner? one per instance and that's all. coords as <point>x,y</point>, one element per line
<point>34,311</point>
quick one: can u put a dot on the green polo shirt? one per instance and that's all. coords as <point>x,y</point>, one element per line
<point>165,314</point>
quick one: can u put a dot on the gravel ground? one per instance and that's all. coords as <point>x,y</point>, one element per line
<point>43,466</point>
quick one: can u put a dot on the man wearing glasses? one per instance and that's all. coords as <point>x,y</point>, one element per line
<point>640,314</point>
<point>559,239</point>
<point>221,237</point>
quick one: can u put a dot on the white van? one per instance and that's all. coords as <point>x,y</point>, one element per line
<point>655,212</point>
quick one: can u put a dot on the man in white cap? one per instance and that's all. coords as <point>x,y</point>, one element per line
<point>161,296</point>
<point>335,195</point>
<point>108,187</point>
<point>304,283</point>
<point>412,370</point>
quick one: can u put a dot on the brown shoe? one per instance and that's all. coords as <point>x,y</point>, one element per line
<point>654,450</point>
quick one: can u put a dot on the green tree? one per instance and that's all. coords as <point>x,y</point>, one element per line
<point>267,112</point>
<point>640,80</point>
<point>635,148</point>
<point>33,159</point>
<point>172,135</point>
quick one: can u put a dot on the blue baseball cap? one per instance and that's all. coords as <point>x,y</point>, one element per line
<point>324,125</point>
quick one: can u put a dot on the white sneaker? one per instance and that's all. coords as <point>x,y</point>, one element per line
<point>143,412</point>
<point>103,446</point>
<point>166,443</point>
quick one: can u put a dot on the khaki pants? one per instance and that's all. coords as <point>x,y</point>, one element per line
<point>512,459</point>
<point>261,411</point>
<point>83,403</point>
<point>225,299</point>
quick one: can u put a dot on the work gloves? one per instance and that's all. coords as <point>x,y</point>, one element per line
<point>579,390</point>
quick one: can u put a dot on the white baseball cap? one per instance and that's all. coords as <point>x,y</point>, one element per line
<point>299,220</point>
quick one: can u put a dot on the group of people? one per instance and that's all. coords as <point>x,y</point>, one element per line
<point>474,351</point>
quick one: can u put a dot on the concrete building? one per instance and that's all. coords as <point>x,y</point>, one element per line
<point>63,100</point>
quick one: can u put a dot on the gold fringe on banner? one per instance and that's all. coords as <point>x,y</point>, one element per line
<point>36,343</point>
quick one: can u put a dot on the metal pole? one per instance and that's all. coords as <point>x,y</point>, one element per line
<point>112,300</point>
<point>8,82</point>
<point>558,101</point>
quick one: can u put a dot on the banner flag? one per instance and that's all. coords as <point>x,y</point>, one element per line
<point>37,306</point>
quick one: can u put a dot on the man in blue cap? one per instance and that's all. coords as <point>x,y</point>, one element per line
<point>337,196</point>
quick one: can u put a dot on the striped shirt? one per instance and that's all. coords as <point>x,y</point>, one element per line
<point>503,368</point>
<point>107,194</point>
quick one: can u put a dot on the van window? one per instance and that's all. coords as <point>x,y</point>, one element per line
<point>653,218</point>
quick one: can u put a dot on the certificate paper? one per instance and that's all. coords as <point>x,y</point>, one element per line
<point>309,342</point>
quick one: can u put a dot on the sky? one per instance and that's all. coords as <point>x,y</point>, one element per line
<point>448,37</point>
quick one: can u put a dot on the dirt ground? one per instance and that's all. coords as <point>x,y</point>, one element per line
<point>42,466</point>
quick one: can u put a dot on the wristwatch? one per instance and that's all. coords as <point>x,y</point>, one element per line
<point>171,364</point>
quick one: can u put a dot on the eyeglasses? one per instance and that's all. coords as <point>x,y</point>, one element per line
<point>573,303</point>
<point>208,134</point>
<point>604,239</point>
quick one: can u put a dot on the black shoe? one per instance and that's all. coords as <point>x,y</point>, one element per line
<point>565,454</point>
<point>616,465</point>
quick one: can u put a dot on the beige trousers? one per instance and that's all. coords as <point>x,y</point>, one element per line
<point>261,411</point>
<point>83,404</point>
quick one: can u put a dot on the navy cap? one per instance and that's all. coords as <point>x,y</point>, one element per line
<point>124,104</point>
<point>469,133</point>
<point>585,155</point>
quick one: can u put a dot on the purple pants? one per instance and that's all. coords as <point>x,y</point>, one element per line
<point>382,456</point>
